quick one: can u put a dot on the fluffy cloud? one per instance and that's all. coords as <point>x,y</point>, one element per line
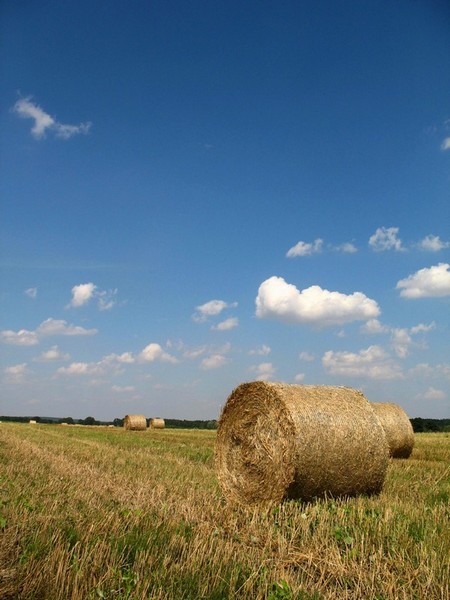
<point>263,371</point>
<point>432,394</point>
<point>372,363</point>
<point>277,299</point>
<point>16,373</point>
<point>230,323</point>
<point>305,249</point>
<point>23,337</point>
<point>211,309</point>
<point>446,144</point>
<point>427,283</point>
<point>215,361</point>
<point>299,377</point>
<point>42,121</point>
<point>433,243</point>
<point>306,356</point>
<point>121,389</point>
<point>264,350</point>
<point>81,368</point>
<point>81,294</point>
<point>154,352</point>
<point>61,327</point>
<point>84,292</point>
<point>347,248</point>
<point>385,238</point>
<point>373,326</point>
<point>53,354</point>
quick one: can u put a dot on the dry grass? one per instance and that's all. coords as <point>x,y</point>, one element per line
<point>277,441</point>
<point>90,513</point>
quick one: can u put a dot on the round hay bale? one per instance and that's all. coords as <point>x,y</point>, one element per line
<point>277,441</point>
<point>397,427</point>
<point>135,422</point>
<point>157,423</point>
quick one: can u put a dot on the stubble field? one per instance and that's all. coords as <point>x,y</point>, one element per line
<point>89,513</point>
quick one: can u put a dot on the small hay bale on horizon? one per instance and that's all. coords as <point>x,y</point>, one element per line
<point>135,422</point>
<point>277,441</point>
<point>397,427</point>
<point>32,422</point>
<point>157,423</point>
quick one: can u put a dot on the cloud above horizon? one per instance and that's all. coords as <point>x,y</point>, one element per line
<point>427,283</point>
<point>43,122</point>
<point>385,238</point>
<point>211,309</point>
<point>49,327</point>
<point>371,363</point>
<point>282,301</point>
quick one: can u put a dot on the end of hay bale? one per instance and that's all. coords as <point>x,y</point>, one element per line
<point>397,427</point>
<point>277,441</point>
<point>135,422</point>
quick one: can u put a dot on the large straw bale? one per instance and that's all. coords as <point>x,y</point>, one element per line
<point>135,422</point>
<point>397,427</point>
<point>278,441</point>
<point>157,423</point>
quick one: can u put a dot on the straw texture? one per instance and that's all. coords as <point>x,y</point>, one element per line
<point>135,422</point>
<point>397,427</point>
<point>277,441</point>
<point>157,423</point>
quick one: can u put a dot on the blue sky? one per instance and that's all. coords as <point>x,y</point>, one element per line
<point>197,194</point>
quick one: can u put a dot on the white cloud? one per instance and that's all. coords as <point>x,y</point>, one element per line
<point>230,323</point>
<point>347,248</point>
<point>306,356</point>
<point>401,341</point>
<point>211,309</point>
<point>124,358</point>
<point>53,354</point>
<point>433,243</point>
<point>31,292</point>
<point>81,294</point>
<point>385,238</point>
<point>23,337</point>
<point>215,361</point>
<point>264,350</point>
<point>106,299</point>
<point>194,353</point>
<point>299,377</point>
<point>81,368</point>
<point>434,394</point>
<point>373,326</point>
<point>372,363</point>
<point>427,283</point>
<point>263,371</point>
<point>60,327</point>
<point>120,389</point>
<point>305,249</point>
<point>43,121</point>
<point>446,144</point>
<point>154,352</point>
<point>16,373</point>
<point>422,328</point>
<point>277,299</point>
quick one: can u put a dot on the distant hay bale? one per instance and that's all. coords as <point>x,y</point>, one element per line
<point>65,424</point>
<point>277,441</point>
<point>135,422</point>
<point>397,427</point>
<point>32,422</point>
<point>157,423</point>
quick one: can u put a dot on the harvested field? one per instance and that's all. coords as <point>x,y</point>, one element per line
<point>88,513</point>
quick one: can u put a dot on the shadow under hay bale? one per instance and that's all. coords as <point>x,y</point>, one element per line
<point>157,423</point>
<point>135,422</point>
<point>277,441</point>
<point>397,427</point>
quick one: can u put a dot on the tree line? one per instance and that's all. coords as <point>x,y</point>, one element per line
<point>419,424</point>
